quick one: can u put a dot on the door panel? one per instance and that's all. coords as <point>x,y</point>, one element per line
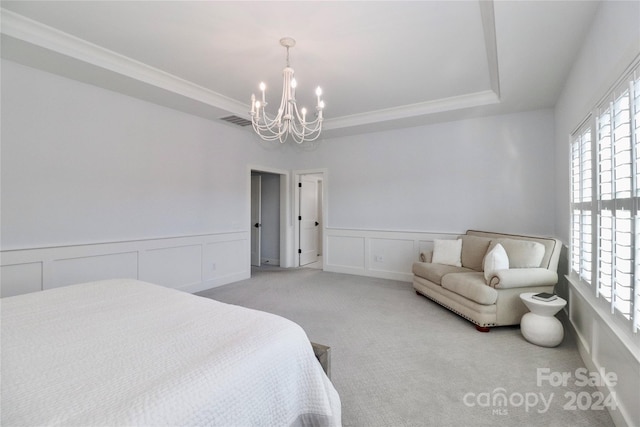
<point>309,220</point>
<point>256,218</point>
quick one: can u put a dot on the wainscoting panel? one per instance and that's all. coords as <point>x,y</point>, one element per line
<point>21,278</point>
<point>189,263</point>
<point>603,347</point>
<point>345,252</point>
<point>91,268</point>
<point>582,322</point>
<point>609,354</point>
<point>391,256</point>
<point>377,253</point>
<point>172,267</point>
<point>225,261</point>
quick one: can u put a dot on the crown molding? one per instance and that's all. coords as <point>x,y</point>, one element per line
<point>52,39</point>
<point>44,36</point>
<point>488,18</point>
<point>476,99</point>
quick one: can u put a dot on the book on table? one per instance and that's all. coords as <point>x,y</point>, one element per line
<point>544,296</point>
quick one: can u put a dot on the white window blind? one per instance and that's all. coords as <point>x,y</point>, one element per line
<point>605,194</point>
<point>581,191</point>
<point>635,124</point>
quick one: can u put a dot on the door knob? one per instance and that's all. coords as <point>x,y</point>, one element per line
<point>256,225</point>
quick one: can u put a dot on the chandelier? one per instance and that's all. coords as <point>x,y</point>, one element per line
<point>288,121</point>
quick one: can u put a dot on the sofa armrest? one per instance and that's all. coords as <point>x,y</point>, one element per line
<point>426,256</point>
<point>523,277</point>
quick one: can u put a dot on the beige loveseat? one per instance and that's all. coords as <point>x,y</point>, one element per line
<point>493,300</point>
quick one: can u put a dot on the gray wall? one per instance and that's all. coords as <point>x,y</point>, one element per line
<point>81,164</point>
<point>495,173</point>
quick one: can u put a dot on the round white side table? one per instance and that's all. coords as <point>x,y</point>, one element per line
<point>540,326</point>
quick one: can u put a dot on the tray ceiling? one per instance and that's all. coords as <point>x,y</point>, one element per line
<point>381,64</point>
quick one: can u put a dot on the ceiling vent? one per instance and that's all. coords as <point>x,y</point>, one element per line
<point>239,121</point>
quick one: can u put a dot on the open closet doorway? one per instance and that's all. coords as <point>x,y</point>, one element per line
<point>309,201</point>
<point>256,219</point>
<point>268,219</point>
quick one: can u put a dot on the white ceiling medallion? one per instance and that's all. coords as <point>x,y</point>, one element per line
<point>288,120</point>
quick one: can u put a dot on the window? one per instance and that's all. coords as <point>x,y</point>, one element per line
<point>581,190</point>
<point>605,195</point>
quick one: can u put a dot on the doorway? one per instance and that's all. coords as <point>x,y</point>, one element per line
<point>268,216</point>
<point>310,212</point>
<point>256,219</point>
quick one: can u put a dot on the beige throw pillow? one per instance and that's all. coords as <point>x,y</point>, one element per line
<point>474,248</point>
<point>522,253</point>
<point>447,252</point>
<point>495,260</point>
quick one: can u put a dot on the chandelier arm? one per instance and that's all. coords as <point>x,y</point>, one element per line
<point>314,123</point>
<point>264,125</point>
<point>270,136</point>
<point>272,128</point>
<point>304,130</point>
<point>308,137</point>
<point>308,128</point>
<point>270,124</point>
<point>298,117</point>
<point>297,134</point>
<point>296,125</point>
<point>305,134</point>
<point>265,137</point>
<point>269,127</point>
<point>264,132</point>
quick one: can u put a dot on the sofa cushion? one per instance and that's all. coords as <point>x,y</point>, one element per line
<point>495,260</point>
<point>434,272</point>
<point>447,252</point>
<point>474,249</point>
<point>521,253</point>
<point>471,286</point>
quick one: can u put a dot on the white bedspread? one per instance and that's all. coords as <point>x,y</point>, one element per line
<point>124,352</point>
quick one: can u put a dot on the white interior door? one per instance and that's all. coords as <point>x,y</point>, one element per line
<point>308,220</point>
<point>256,218</point>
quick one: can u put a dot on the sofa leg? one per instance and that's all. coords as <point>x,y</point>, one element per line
<point>482,328</point>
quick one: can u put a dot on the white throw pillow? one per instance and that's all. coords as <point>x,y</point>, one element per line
<point>447,252</point>
<point>496,259</point>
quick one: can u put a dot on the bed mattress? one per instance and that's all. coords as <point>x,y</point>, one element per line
<point>125,352</point>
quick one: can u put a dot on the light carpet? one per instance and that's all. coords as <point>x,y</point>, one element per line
<point>398,359</point>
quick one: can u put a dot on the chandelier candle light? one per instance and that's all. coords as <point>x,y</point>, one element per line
<point>288,121</point>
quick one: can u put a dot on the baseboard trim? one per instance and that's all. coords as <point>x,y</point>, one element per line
<point>219,281</point>
<point>403,277</point>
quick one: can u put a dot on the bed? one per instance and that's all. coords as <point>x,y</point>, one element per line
<point>125,352</point>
